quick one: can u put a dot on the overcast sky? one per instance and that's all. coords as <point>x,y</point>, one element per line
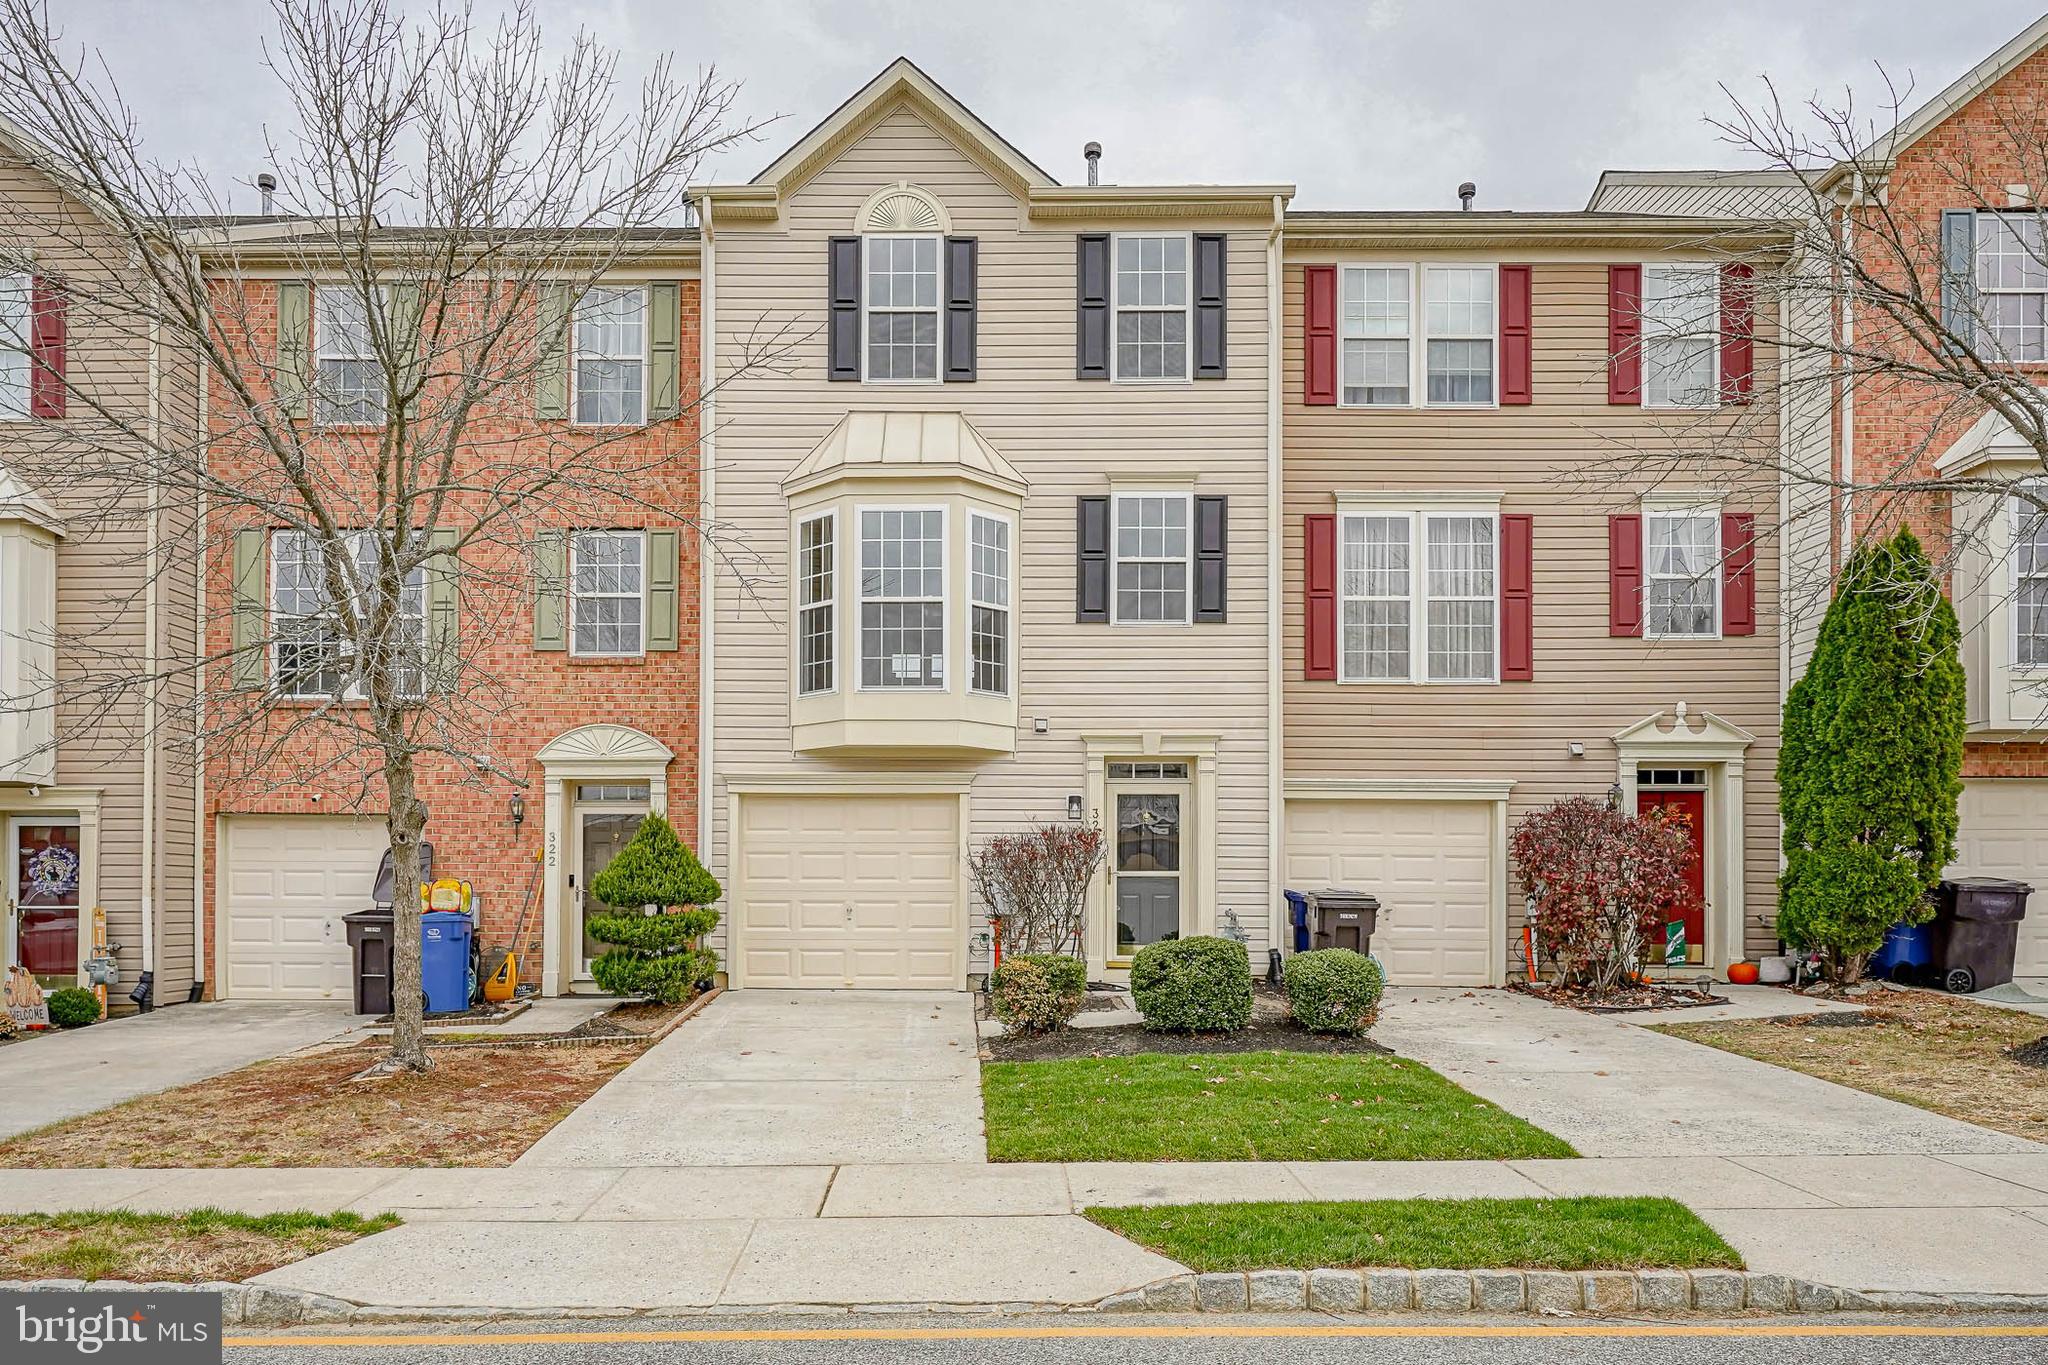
<point>1367,104</point>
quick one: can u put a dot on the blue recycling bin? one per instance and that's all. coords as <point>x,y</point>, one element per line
<point>1905,954</point>
<point>444,960</point>
<point>1297,915</point>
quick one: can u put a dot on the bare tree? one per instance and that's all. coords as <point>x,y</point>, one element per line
<point>455,191</point>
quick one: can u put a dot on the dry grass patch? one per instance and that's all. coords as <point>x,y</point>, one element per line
<point>1932,1051</point>
<point>479,1106</point>
<point>205,1244</point>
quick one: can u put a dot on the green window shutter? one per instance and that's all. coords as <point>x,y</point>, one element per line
<point>442,578</point>
<point>402,316</point>
<point>294,345</point>
<point>551,381</point>
<point>245,663</point>
<point>551,590</point>
<point>664,350</point>
<point>664,592</point>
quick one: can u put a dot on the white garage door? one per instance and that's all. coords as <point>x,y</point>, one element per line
<point>288,881</point>
<point>850,891</point>
<point>2005,834</point>
<point>1429,864</point>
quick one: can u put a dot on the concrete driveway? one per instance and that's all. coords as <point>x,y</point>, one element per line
<point>790,1078</point>
<point>62,1075</point>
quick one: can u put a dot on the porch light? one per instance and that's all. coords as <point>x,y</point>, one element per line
<point>1614,797</point>
<point>1074,807</point>
<point>517,807</point>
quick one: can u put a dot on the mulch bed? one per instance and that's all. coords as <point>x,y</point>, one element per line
<point>1273,1029</point>
<point>635,1019</point>
<point>1632,1000</point>
<point>2031,1054</point>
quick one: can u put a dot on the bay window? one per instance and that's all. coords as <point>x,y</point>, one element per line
<point>988,596</point>
<point>817,595</point>
<point>2030,585</point>
<point>902,597</point>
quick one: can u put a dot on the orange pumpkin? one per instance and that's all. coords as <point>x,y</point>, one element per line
<point>1742,973</point>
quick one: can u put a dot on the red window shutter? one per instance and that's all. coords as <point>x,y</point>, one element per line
<point>1625,575</point>
<point>1738,573</point>
<point>1516,364</point>
<point>1624,334</point>
<point>46,349</point>
<point>1738,333</point>
<point>1319,336</point>
<point>1517,589</point>
<point>1319,637</point>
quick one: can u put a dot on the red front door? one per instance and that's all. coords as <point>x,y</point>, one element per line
<point>1693,807</point>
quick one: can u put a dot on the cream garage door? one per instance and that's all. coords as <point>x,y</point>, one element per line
<point>859,891</point>
<point>2005,834</point>
<point>288,880</point>
<point>1429,862</point>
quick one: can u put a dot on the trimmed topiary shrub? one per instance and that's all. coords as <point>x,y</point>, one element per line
<point>657,956</point>
<point>1334,990</point>
<point>1193,985</point>
<point>1038,992</point>
<point>72,1007</point>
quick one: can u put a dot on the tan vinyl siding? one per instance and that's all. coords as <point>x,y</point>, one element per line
<point>1545,460</point>
<point>1067,437</point>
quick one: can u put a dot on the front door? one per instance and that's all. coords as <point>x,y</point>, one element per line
<point>1691,807</point>
<point>42,896</point>
<point>606,816</point>
<point>1148,881</point>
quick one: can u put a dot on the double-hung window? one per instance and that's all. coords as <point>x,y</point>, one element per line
<point>1681,336</point>
<point>1151,304</point>
<point>988,602</point>
<point>313,654</point>
<point>817,569</point>
<point>611,357</point>
<point>349,383</point>
<point>607,594</point>
<point>1681,572</point>
<point>1458,317</point>
<point>1151,572</point>
<point>17,323</point>
<point>2012,284</point>
<point>1376,330</point>
<point>1418,596</point>
<point>902,597</point>
<point>902,303</point>
<point>2030,583</point>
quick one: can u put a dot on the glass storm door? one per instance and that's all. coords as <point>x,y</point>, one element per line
<point>607,815</point>
<point>43,894</point>
<point>1145,873</point>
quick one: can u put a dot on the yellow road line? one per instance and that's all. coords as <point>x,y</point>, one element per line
<point>1137,1330</point>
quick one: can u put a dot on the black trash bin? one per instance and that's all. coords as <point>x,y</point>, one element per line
<point>1976,931</point>
<point>1341,918</point>
<point>370,937</point>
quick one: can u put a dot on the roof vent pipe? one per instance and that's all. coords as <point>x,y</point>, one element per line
<point>1093,152</point>
<point>266,185</point>
<point>1466,193</point>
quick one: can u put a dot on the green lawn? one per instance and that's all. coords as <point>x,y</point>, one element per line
<point>1252,1106</point>
<point>1465,1234</point>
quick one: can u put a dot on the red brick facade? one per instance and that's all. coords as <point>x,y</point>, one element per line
<point>541,694</point>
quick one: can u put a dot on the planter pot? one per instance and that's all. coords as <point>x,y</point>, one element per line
<point>1775,971</point>
<point>1742,973</point>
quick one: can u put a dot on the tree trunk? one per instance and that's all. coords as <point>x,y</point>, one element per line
<point>405,823</point>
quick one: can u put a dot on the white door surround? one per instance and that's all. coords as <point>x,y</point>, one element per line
<point>1198,910</point>
<point>588,753</point>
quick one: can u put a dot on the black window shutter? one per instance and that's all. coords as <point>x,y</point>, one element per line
<point>842,335</point>
<point>1091,559</point>
<point>1212,558</point>
<point>1091,306</point>
<point>961,254</point>
<point>1211,266</point>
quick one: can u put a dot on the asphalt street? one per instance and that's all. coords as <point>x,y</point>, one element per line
<point>1305,1340</point>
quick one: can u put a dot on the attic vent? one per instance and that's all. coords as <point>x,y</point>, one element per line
<point>903,208</point>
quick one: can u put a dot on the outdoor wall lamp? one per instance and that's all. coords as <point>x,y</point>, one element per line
<point>1614,797</point>
<point>517,807</point>
<point>1074,807</point>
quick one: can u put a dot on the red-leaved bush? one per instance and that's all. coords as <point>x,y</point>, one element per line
<point>1036,880</point>
<point>1601,884</point>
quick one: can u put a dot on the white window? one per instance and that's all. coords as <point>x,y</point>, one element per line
<point>611,357</point>
<point>349,381</point>
<point>2012,284</point>
<point>1151,300</point>
<point>1458,320</point>
<point>1150,554</point>
<point>2030,584</point>
<point>902,305</point>
<point>988,602</point>
<point>313,654</point>
<point>902,597</point>
<point>17,323</point>
<point>1681,345</point>
<point>1681,573</point>
<point>1375,331</point>
<point>607,594</point>
<point>817,564</point>
<point>1440,625</point>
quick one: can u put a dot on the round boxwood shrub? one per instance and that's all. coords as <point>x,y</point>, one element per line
<point>1334,990</point>
<point>72,1007</point>
<point>1193,985</point>
<point>1038,992</point>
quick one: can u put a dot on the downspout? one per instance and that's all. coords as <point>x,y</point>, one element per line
<point>1847,404</point>
<point>151,657</point>
<point>202,828</point>
<point>1275,731</point>
<point>707,481</point>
